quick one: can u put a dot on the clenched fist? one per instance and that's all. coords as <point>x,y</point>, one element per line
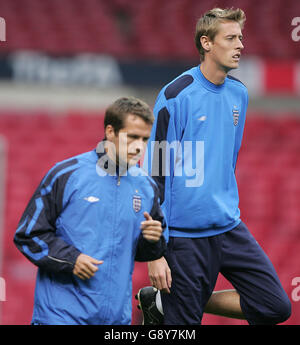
<point>86,266</point>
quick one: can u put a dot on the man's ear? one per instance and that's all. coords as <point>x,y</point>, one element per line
<point>206,43</point>
<point>109,132</point>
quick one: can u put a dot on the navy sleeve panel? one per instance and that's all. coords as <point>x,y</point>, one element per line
<point>163,119</point>
<point>158,172</point>
<point>35,236</point>
<point>147,251</point>
<point>57,169</point>
<point>178,85</point>
<point>156,212</point>
<point>236,79</point>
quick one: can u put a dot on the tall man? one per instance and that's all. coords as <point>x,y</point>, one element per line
<point>193,149</point>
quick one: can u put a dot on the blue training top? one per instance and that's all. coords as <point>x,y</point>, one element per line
<point>193,150</point>
<point>84,206</point>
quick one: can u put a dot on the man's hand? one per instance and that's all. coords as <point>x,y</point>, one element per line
<point>151,229</point>
<point>86,266</point>
<point>160,274</point>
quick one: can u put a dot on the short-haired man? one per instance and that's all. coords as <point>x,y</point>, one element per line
<point>90,218</point>
<point>203,112</point>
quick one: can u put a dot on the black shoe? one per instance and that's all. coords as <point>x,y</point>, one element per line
<point>151,315</point>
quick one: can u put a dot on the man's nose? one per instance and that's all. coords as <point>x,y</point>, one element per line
<point>138,146</point>
<point>241,46</point>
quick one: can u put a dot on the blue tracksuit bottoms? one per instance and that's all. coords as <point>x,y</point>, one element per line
<point>195,264</point>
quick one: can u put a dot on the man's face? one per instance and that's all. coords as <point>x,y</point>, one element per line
<point>225,49</point>
<point>130,143</point>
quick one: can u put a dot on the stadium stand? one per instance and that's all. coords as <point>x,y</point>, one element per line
<point>268,173</point>
<point>140,29</point>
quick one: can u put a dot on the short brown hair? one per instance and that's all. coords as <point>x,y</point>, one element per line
<point>207,25</point>
<point>117,112</point>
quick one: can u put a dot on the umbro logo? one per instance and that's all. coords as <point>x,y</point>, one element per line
<point>202,118</point>
<point>91,199</point>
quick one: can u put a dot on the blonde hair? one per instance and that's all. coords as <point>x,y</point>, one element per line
<point>207,25</point>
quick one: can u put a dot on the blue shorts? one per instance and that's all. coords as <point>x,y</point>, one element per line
<point>195,264</point>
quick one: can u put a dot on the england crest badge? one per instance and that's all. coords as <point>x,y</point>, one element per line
<point>136,203</point>
<point>235,113</point>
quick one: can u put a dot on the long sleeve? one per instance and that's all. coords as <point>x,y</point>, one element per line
<point>36,236</point>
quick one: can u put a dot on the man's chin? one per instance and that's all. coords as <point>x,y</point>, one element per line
<point>133,161</point>
<point>233,65</point>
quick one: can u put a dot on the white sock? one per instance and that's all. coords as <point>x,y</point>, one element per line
<point>158,303</point>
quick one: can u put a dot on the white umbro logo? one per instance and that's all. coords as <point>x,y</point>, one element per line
<point>202,118</point>
<point>91,199</point>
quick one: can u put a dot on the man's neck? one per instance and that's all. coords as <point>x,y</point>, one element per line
<point>213,73</point>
